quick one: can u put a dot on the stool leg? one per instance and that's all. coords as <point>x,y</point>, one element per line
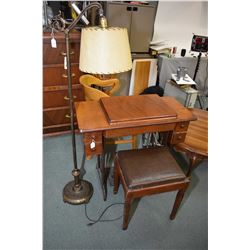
<point>116,180</point>
<point>177,202</point>
<point>127,205</point>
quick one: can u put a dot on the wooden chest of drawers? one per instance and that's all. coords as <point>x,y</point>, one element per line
<point>55,83</point>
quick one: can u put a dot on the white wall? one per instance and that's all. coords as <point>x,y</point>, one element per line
<point>177,21</point>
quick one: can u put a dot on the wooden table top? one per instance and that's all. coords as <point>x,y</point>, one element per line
<point>140,107</point>
<point>196,140</point>
<point>92,117</point>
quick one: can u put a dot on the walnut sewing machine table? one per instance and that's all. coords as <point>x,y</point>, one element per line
<point>129,115</point>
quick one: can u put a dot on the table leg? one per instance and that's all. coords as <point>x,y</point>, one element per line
<point>102,174</point>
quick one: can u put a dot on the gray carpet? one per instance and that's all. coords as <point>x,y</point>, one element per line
<point>65,226</point>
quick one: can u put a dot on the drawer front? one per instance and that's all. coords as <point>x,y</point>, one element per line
<point>57,75</point>
<point>96,139</point>
<point>177,137</point>
<point>56,55</point>
<point>56,117</point>
<point>138,130</point>
<point>59,129</point>
<point>54,97</point>
<point>181,126</point>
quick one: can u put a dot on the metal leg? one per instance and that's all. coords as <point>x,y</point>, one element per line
<point>151,140</point>
<point>102,174</point>
<point>146,138</point>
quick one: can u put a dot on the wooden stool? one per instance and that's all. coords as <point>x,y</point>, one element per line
<point>146,172</point>
<point>196,142</point>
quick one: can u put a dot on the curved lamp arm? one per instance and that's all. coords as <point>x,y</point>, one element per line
<point>59,24</point>
<point>95,4</point>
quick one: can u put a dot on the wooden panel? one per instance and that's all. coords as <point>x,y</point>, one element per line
<point>140,130</point>
<point>55,74</point>
<point>90,116</point>
<point>183,114</point>
<point>75,36</point>
<point>56,129</point>
<point>56,116</point>
<point>177,137</point>
<point>142,70</point>
<point>181,126</point>
<point>196,140</point>
<point>59,129</point>
<point>132,108</point>
<point>56,97</point>
<point>54,55</point>
<point>95,137</point>
<point>55,86</point>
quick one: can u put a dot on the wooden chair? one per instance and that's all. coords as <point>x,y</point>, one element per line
<point>145,172</point>
<point>91,84</point>
<point>107,88</point>
<point>195,145</point>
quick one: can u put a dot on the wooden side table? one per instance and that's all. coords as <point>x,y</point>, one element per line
<point>195,144</point>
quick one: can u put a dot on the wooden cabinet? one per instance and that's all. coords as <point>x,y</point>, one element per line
<point>55,83</point>
<point>137,18</point>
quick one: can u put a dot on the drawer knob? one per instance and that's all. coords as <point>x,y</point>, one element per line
<point>183,125</point>
<point>65,76</point>
<point>64,53</point>
<point>69,116</point>
<point>179,137</point>
<point>67,98</point>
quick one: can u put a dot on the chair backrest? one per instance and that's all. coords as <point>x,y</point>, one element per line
<point>93,94</point>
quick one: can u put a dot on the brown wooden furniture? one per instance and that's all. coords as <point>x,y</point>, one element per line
<point>55,83</point>
<point>195,144</point>
<point>94,124</point>
<point>108,88</point>
<point>145,172</point>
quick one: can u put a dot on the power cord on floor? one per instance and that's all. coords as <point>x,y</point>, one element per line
<point>104,211</point>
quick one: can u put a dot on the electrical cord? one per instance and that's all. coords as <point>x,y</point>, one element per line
<point>104,211</point>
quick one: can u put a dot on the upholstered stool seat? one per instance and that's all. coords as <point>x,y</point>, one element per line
<point>148,167</point>
<point>145,172</point>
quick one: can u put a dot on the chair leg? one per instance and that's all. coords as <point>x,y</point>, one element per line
<point>192,163</point>
<point>116,180</point>
<point>177,203</point>
<point>127,205</point>
<point>194,160</point>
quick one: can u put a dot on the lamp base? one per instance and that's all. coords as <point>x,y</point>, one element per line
<point>78,196</point>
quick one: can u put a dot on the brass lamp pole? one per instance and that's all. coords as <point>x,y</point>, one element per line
<point>77,191</point>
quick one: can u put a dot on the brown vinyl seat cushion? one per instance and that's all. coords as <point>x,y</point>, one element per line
<point>148,167</point>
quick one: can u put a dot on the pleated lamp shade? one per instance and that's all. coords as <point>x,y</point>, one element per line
<point>104,50</point>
